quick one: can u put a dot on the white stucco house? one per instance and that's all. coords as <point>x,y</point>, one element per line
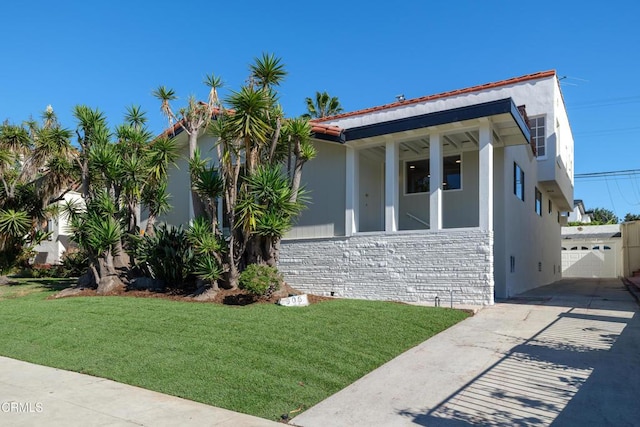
<point>579,214</point>
<point>50,251</point>
<point>456,195</point>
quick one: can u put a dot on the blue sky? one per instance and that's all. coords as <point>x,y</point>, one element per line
<point>113,54</point>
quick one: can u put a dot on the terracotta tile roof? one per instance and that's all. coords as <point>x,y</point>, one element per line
<point>485,86</point>
<point>325,129</point>
<point>177,127</point>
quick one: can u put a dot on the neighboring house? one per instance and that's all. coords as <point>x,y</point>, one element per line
<point>579,214</point>
<point>592,251</point>
<point>50,251</point>
<point>457,196</point>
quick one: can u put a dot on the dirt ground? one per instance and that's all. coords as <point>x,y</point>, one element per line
<point>223,296</point>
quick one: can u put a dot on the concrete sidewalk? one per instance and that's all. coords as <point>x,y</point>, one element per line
<point>565,354</point>
<point>34,395</point>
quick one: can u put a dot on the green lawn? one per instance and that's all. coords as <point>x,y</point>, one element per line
<point>263,360</point>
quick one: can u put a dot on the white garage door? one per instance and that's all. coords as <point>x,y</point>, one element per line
<point>589,261</point>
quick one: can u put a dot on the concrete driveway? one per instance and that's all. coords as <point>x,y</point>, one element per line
<point>567,354</point>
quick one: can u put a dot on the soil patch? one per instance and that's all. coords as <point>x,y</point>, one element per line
<point>223,296</point>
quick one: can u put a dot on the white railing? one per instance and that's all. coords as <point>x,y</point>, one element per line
<point>415,218</point>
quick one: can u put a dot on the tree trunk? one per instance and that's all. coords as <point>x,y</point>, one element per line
<point>196,202</point>
<point>85,178</point>
<point>108,281</point>
<point>151,221</point>
<point>295,182</point>
<point>121,260</point>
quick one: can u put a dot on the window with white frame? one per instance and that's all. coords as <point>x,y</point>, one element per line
<point>418,175</point>
<point>518,181</point>
<point>538,135</point>
<point>538,202</point>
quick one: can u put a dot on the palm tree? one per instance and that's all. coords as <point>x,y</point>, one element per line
<point>323,106</point>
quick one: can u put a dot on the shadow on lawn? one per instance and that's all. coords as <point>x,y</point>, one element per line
<point>56,284</point>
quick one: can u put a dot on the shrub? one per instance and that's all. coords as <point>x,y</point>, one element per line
<point>74,264</point>
<point>260,280</point>
<point>167,255</point>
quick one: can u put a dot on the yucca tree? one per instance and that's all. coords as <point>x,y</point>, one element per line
<point>254,146</point>
<point>98,231</point>
<point>323,105</point>
<point>266,211</point>
<point>92,128</point>
<point>36,169</point>
<point>193,119</point>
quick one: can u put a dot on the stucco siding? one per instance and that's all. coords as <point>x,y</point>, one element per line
<point>501,182</point>
<point>532,240</point>
<point>406,266</point>
<point>178,187</point>
<point>324,179</point>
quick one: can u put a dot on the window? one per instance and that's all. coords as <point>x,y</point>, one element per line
<point>451,176</point>
<point>418,174</point>
<point>538,135</point>
<point>518,181</point>
<point>512,266</point>
<point>550,207</point>
<point>538,202</point>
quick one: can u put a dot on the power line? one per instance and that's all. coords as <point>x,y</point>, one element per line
<point>604,175</point>
<point>604,102</point>
<point>607,131</point>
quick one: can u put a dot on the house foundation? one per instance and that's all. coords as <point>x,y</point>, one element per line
<point>453,265</point>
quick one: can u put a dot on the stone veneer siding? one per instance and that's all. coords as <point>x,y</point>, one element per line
<point>415,266</point>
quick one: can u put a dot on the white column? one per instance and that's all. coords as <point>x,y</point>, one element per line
<point>435,181</point>
<point>391,184</point>
<point>485,177</point>
<point>351,203</point>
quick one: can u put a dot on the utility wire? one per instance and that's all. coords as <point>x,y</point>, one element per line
<point>627,172</point>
